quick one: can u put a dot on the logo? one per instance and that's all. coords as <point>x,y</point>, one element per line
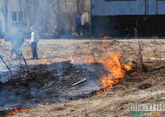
<point>147,110</point>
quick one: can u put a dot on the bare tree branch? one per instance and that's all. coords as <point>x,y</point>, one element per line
<point>6,66</point>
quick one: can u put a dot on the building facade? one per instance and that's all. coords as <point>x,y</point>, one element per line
<point>127,14</point>
<point>10,15</point>
<point>128,7</point>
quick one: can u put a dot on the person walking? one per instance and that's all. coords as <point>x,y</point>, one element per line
<point>34,41</point>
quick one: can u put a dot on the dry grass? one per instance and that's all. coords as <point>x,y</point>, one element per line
<point>116,102</point>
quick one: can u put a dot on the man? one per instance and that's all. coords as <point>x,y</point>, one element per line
<point>85,22</point>
<point>78,23</point>
<point>34,41</point>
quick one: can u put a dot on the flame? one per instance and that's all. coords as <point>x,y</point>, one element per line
<point>15,111</point>
<point>71,59</point>
<point>88,59</point>
<point>44,61</point>
<point>106,37</point>
<point>110,61</point>
<point>127,67</point>
<point>112,64</point>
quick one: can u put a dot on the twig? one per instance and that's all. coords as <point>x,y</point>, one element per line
<point>6,66</point>
<point>79,82</point>
<point>27,68</point>
<point>156,55</point>
<point>140,56</point>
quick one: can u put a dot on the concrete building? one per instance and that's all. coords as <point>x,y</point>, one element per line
<point>124,16</point>
<point>10,15</point>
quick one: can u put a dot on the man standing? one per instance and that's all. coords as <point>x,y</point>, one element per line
<point>34,41</point>
<point>78,23</point>
<point>85,22</point>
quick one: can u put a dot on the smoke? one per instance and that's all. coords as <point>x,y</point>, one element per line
<point>52,16</point>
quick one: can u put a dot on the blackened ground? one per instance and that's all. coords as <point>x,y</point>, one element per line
<point>51,83</point>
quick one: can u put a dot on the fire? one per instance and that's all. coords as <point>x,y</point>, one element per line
<point>15,111</point>
<point>88,59</point>
<point>111,62</point>
<point>127,67</point>
<point>70,59</point>
<point>106,37</point>
<point>113,65</point>
<point>44,61</point>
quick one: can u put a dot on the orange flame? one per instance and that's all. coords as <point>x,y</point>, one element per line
<point>44,61</point>
<point>110,61</point>
<point>15,111</point>
<point>88,59</point>
<point>127,67</point>
<point>106,37</point>
<point>113,65</point>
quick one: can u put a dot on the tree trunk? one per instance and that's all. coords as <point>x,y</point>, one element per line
<point>5,13</point>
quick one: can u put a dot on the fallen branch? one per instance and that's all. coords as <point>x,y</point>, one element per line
<point>79,82</point>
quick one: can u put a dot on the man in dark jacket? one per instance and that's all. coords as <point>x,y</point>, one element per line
<point>78,23</point>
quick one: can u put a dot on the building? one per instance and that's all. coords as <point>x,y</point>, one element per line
<point>10,15</point>
<point>128,16</point>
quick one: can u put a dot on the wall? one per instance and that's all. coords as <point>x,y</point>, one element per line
<point>104,8</point>
<point>161,7</point>
<point>132,7</point>
<point>13,6</point>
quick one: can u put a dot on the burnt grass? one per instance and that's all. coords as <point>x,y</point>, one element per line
<point>51,83</point>
<point>54,83</point>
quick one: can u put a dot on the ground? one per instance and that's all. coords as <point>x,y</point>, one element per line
<point>137,87</point>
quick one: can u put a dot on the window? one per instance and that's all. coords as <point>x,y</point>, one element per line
<point>16,17</point>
